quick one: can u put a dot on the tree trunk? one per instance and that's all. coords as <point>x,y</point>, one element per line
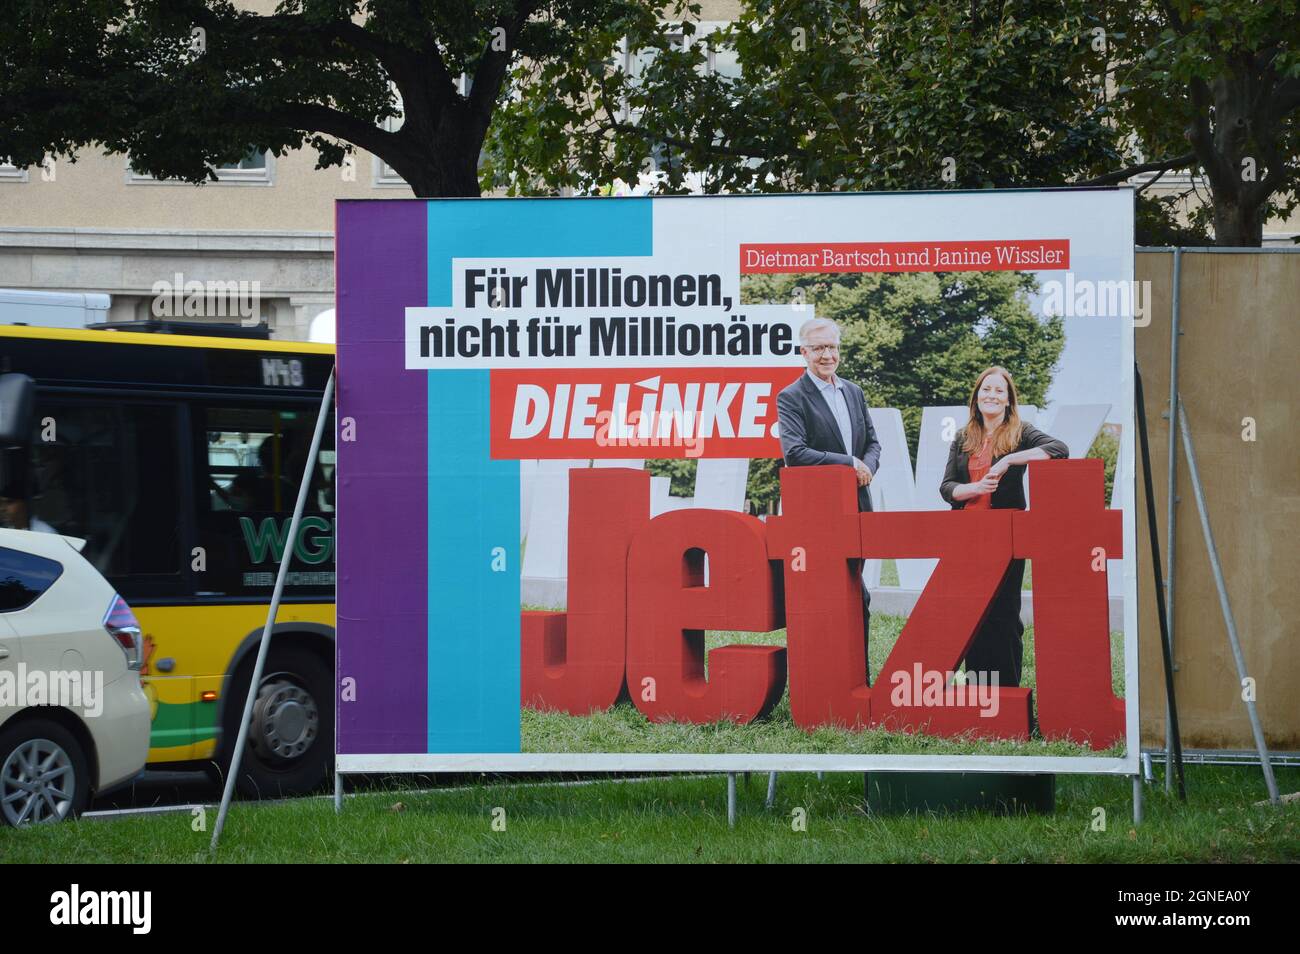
<point>444,165</point>
<point>1236,161</point>
<point>443,176</point>
<point>1237,224</point>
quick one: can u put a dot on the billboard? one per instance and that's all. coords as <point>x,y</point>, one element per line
<point>827,482</point>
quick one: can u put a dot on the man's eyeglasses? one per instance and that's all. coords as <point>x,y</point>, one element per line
<point>820,350</point>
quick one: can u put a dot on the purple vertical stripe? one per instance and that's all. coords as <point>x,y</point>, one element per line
<point>380,269</point>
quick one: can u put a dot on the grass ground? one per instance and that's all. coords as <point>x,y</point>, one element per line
<point>684,819</point>
<point>624,729</point>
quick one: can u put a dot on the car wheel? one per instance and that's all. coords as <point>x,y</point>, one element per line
<point>290,747</point>
<point>44,775</point>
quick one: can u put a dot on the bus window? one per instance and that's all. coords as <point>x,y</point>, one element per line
<point>109,473</point>
<point>252,467</point>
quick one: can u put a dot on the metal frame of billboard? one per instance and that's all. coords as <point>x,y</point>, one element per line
<point>730,763</point>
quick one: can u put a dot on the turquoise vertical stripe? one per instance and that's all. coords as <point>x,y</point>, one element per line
<point>473,500</point>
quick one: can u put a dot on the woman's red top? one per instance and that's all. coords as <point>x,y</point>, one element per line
<point>978,464</point>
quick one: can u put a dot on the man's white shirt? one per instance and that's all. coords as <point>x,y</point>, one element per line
<point>833,393</point>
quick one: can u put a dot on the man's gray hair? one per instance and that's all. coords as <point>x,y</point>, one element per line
<point>817,324</point>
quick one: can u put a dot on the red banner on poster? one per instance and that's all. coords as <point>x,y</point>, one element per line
<point>630,413</point>
<point>1011,255</point>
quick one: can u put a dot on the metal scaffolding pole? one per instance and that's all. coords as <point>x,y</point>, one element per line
<point>1255,727</point>
<point>1171,492</point>
<point>1173,740</point>
<point>326,406</point>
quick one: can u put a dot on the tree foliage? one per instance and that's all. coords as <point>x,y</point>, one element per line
<point>831,95</point>
<point>913,94</point>
<point>1222,79</point>
<point>1106,447</point>
<point>537,96</point>
<point>186,85</point>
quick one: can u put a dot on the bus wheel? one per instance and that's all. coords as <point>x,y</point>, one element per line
<point>290,746</point>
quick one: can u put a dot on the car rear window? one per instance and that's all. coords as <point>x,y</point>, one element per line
<point>24,577</point>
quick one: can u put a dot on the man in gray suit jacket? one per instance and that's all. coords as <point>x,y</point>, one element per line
<point>824,420</point>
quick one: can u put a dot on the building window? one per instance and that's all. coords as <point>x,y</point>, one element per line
<point>719,59</point>
<point>385,176</point>
<point>635,63</point>
<point>1175,179</point>
<point>256,168</point>
<point>723,60</point>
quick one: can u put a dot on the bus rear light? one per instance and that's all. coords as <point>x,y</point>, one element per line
<point>122,625</point>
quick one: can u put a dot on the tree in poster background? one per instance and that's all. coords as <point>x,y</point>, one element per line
<point>912,340</point>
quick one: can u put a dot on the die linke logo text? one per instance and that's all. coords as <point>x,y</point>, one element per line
<point>636,412</point>
<point>638,607</point>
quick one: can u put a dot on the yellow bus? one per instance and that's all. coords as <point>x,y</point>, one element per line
<point>176,451</point>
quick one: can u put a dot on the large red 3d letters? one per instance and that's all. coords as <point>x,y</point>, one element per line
<point>575,661</point>
<point>670,606</point>
<point>639,605</point>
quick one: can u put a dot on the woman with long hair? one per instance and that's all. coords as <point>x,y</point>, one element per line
<point>986,471</point>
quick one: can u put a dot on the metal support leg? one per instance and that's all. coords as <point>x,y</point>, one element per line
<point>338,793</point>
<point>1173,741</point>
<point>326,411</point>
<point>731,799</point>
<point>1229,620</point>
<point>771,790</point>
<point>1137,799</point>
<point>1171,497</point>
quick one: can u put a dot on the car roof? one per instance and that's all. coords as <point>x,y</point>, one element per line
<point>52,545</point>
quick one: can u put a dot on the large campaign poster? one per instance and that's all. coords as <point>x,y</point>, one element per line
<point>763,482</point>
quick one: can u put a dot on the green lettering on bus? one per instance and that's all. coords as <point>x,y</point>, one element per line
<point>267,536</point>
<point>322,543</point>
<point>315,543</point>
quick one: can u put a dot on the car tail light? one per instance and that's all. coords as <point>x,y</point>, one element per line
<point>125,630</point>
